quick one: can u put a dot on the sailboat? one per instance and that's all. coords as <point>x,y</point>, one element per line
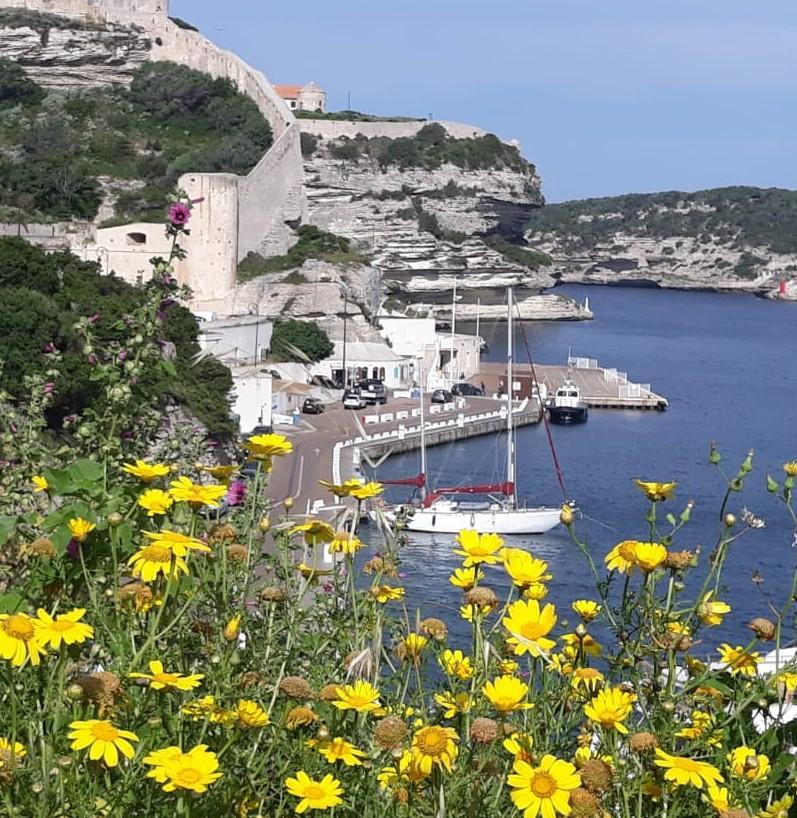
<point>441,512</point>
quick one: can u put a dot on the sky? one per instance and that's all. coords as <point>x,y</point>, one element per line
<point>605,96</point>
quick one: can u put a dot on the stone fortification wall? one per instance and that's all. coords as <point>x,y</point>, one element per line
<point>336,129</point>
<point>94,9</point>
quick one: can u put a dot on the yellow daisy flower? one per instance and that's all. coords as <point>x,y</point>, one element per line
<point>507,694</point>
<point>587,609</point>
<point>161,680</point>
<point>39,483</point>
<point>413,644</point>
<point>20,640</point>
<point>155,501</point>
<point>467,612</point>
<point>346,543</point>
<point>434,746</point>
<point>146,472</point>
<point>529,626</point>
<point>519,745</point>
<point>712,611</point>
<point>175,770</point>
<point>610,708</point>
<point>313,794</point>
<point>586,677</point>
<point>478,548</point>
<point>538,591</point>
<point>524,569</point>
<point>314,531</point>
<point>367,491</point>
<point>264,447</point>
<point>682,771</point>
<point>361,697</point>
<point>10,753</point>
<point>386,593</point>
<point>452,704</point>
<point>738,661</point>
<point>177,543</point>
<point>103,740</point>
<point>544,789</point>
<point>621,557</point>
<point>656,492</point>
<point>66,628</point>
<point>779,808</point>
<point>746,763</point>
<point>251,714</point>
<point>585,643</point>
<point>80,528</point>
<point>184,490</point>
<point>718,798</point>
<point>340,490</point>
<point>790,468</point>
<point>153,559</point>
<point>455,663</point>
<point>338,749</point>
<point>649,555</point>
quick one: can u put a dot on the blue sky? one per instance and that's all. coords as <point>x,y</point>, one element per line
<point>606,96</point>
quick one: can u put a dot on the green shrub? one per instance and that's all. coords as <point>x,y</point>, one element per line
<point>532,259</point>
<point>309,144</point>
<point>300,341</point>
<point>15,86</point>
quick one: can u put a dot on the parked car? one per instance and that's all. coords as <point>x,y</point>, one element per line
<point>352,399</point>
<point>441,396</point>
<point>260,430</point>
<point>373,391</point>
<point>312,406</point>
<point>466,389</point>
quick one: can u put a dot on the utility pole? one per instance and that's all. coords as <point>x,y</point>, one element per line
<point>345,334</point>
<point>453,330</point>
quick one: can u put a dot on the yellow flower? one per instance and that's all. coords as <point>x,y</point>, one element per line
<point>508,666</point>
<point>80,528</point>
<point>519,746</point>
<point>367,491</point>
<point>346,543</point>
<point>434,746</point>
<point>104,740</point>
<point>587,609</point>
<point>312,572</point>
<point>152,560</point>
<point>682,771</point>
<point>198,709</point>
<point>404,771</point>
<point>146,472</point>
<point>264,447</point>
<point>649,555</point>
<point>586,643</point>
<point>10,753</point>
<point>712,611</point>
<point>739,661</point>
<point>155,501</point>
<point>452,704</point>
<point>523,568</point>
<point>161,680</point>
<point>250,714</point>
<point>656,492</point>
<point>314,531</point>
<point>466,578</point>
<point>779,808</point>
<point>20,639</point>
<point>529,626</point>
<point>177,543</point>
<point>507,694</point>
<point>313,794</point>
<point>538,591</point>
<point>184,490</point>
<point>195,770</point>
<point>544,789</point>
<point>300,717</point>
<point>413,644</point>
<point>340,490</point>
<point>701,723</point>
<point>39,483</point>
<point>788,680</point>
<point>232,630</point>
<point>610,708</point>
<point>478,548</point>
<point>223,473</point>
<point>587,677</point>
<point>385,593</point>
<point>361,697</point>
<point>790,468</point>
<point>338,749</point>
<point>718,798</point>
<point>455,663</point>
<point>746,763</point>
<point>621,557</point>
<point>467,611</point>
<point>66,628</point>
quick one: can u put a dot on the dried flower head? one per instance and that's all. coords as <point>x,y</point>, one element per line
<point>237,553</point>
<point>328,693</point>
<point>763,628</point>
<point>583,804</point>
<point>250,679</point>
<point>300,717</point>
<point>42,547</point>
<point>295,687</point>
<point>678,560</point>
<point>136,595</point>
<point>643,742</point>
<point>483,731</point>
<point>272,593</point>
<point>381,565</point>
<point>435,628</point>
<point>101,689</point>
<point>596,775</point>
<point>390,732</point>
<point>751,520</point>
<point>481,596</point>
<point>221,533</point>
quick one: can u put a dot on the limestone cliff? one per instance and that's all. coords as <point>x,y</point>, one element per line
<point>734,239</point>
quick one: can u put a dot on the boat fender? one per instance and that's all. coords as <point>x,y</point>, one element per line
<point>434,517</point>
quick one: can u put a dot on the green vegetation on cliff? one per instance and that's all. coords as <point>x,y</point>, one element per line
<point>429,149</point>
<point>300,341</point>
<point>43,298</point>
<point>738,216</point>
<point>54,147</point>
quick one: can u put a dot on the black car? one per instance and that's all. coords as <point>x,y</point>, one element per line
<point>260,430</point>
<point>312,406</point>
<point>441,396</point>
<point>467,389</point>
<point>373,391</point>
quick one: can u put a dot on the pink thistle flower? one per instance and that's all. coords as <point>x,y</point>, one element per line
<point>236,493</point>
<point>179,214</point>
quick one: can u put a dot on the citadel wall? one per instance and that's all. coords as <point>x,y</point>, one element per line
<point>336,129</point>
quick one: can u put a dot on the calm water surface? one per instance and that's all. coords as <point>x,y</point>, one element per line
<point>728,366</point>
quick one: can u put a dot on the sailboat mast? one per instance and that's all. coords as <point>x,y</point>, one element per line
<point>510,436</point>
<point>423,438</point>
<point>453,330</point>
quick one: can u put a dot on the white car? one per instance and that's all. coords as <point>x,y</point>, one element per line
<point>353,400</point>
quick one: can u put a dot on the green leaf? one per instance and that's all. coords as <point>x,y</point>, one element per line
<point>61,482</point>
<point>6,527</point>
<point>11,601</point>
<point>169,367</point>
<point>86,471</point>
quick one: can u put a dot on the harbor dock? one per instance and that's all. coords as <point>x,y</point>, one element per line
<point>601,387</point>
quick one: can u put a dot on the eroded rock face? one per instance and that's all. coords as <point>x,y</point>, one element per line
<point>78,57</point>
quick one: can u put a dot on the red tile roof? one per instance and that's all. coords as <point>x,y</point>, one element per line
<point>288,91</point>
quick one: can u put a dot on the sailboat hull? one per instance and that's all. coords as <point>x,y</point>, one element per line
<point>487,521</point>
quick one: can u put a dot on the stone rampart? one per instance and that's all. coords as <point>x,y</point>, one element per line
<point>336,129</point>
<point>94,9</point>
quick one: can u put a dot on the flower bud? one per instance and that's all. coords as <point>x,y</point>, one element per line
<point>115,519</point>
<point>232,629</point>
<point>264,525</point>
<point>730,520</point>
<point>566,514</point>
<point>288,503</point>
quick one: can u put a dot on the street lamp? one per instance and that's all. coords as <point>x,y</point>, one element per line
<point>345,293</point>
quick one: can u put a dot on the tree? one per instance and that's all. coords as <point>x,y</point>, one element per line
<point>16,88</point>
<point>300,341</point>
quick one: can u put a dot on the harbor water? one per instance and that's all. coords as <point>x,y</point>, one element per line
<point>728,366</point>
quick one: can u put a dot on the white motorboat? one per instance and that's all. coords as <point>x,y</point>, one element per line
<point>567,405</point>
<point>441,512</point>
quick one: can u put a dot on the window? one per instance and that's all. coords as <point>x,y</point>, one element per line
<point>136,238</point>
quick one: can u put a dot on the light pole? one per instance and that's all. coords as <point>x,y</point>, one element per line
<point>345,332</point>
<point>256,308</point>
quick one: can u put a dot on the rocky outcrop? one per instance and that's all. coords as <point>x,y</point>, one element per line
<point>78,56</point>
<point>528,308</point>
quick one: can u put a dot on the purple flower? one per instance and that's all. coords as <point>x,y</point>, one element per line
<point>48,388</point>
<point>73,550</point>
<point>93,359</point>
<point>123,355</point>
<point>179,214</point>
<point>236,493</point>
<point>94,318</point>
<point>50,347</point>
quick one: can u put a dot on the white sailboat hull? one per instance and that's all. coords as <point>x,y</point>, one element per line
<point>485,521</point>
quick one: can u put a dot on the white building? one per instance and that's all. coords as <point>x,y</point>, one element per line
<point>252,398</point>
<point>369,359</point>
<point>303,97</point>
<point>238,340</point>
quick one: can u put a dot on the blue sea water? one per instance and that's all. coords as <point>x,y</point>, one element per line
<point>728,366</point>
